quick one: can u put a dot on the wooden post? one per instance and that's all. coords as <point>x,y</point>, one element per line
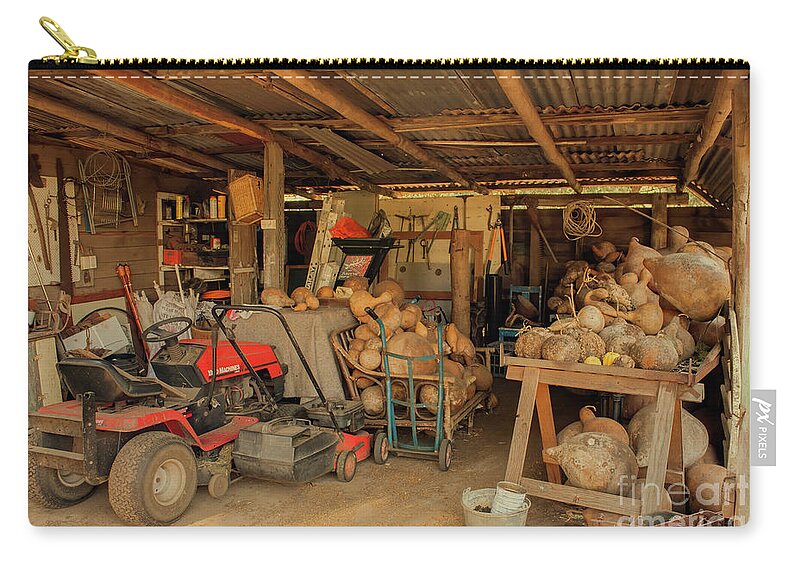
<point>242,261</point>
<point>535,267</point>
<point>741,272</point>
<point>658,233</point>
<point>460,279</point>
<point>274,235</point>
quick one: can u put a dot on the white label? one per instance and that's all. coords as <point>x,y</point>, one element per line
<point>269,224</point>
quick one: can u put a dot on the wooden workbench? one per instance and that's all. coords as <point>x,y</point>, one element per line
<point>666,455</point>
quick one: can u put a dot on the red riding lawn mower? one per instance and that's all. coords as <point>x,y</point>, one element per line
<point>209,413</point>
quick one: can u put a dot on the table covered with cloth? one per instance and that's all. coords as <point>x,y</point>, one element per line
<point>311,329</point>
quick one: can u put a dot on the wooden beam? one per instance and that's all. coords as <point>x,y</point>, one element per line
<point>368,93</point>
<point>321,91</point>
<point>517,93</point>
<point>274,238</point>
<point>460,273</point>
<point>160,91</point>
<point>715,117</point>
<point>76,115</point>
<point>535,249</point>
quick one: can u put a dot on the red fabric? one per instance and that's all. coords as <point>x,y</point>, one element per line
<point>348,228</point>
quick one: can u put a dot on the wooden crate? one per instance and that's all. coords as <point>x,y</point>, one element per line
<point>247,199</point>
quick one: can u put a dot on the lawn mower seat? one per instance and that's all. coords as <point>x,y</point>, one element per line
<point>109,383</point>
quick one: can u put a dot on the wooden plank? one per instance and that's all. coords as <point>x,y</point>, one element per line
<point>547,428</point>
<point>658,233</point>
<point>274,239</point>
<point>460,280</point>
<point>241,254</point>
<point>674,473</point>
<point>582,497</point>
<point>522,426</point>
<point>660,445</point>
<point>613,371</point>
<point>519,96</point>
<point>49,382</point>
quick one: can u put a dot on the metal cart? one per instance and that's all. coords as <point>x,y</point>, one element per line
<point>442,448</point>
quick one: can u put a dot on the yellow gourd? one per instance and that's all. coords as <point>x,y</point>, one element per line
<point>609,358</point>
<point>592,360</point>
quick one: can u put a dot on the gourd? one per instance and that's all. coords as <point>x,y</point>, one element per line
<point>428,395</point>
<point>374,343</point>
<point>421,330</point>
<point>483,376</point>
<point>325,292</point>
<point>691,282</point>
<point>390,286</point>
<point>361,300</point>
<point>590,422</point>
<point>462,346</point>
<point>275,297</point>
<point>621,344</point>
<point>529,344</point>
<point>356,283</point>
<point>618,327</point>
<point>595,461</point>
<point>362,380</point>
<point>299,294</point>
<point>706,484</point>
<point>374,400</point>
<point>452,368</point>
<point>369,358</point>
<point>590,344</point>
<point>562,348</point>
<point>637,253</point>
<point>410,315</point>
<point>709,333</point>
<point>676,330</point>
<point>654,353</point>
<point>364,333</point>
<point>358,344</point>
<point>664,500</point>
<point>591,318</point>
<point>640,428</point>
<point>410,344</point>
<point>603,249</point>
<point>638,289</point>
<point>593,360</point>
<point>304,299</point>
<point>624,361</point>
<point>570,431</point>
<point>649,317</point>
<point>389,314</point>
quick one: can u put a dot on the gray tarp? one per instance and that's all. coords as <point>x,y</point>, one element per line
<point>312,329</point>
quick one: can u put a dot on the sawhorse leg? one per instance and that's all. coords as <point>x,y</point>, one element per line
<point>666,408</point>
<point>522,425</point>
<point>547,427</point>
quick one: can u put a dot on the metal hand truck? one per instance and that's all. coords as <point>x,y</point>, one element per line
<point>442,448</point>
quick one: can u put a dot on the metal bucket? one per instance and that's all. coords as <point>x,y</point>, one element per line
<point>509,498</point>
<point>483,498</point>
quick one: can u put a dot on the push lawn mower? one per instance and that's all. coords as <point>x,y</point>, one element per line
<point>207,413</point>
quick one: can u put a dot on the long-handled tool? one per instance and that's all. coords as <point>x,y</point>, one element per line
<point>498,226</point>
<point>124,274</point>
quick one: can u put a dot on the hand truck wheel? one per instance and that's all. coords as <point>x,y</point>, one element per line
<point>445,454</point>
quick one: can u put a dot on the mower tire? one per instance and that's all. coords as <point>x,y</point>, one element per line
<point>153,479</point>
<point>346,464</point>
<point>380,448</point>
<point>56,489</point>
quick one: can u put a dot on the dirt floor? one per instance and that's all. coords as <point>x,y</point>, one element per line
<point>404,491</point>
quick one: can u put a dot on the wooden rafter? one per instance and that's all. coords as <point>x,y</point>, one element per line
<point>367,92</point>
<point>517,93</point>
<point>321,91</point>
<point>101,124</point>
<point>717,113</point>
<point>162,92</point>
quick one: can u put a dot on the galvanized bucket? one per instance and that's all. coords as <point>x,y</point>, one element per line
<point>509,498</point>
<point>483,498</point>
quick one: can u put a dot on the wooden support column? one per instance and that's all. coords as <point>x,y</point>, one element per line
<point>460,279</point>
<point>658,233</point>
<point>242,261</point>
<point>741,220</point>
<point>535,267</point>
<point>274,235</point>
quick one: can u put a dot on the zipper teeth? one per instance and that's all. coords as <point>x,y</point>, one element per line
<point>379,63</point>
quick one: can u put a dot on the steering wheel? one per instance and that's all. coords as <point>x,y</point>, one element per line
<point>156,332</point>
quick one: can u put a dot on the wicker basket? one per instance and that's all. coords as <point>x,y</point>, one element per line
<point>247,199</point>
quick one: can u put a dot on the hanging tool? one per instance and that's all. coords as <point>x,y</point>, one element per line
<point>43,240</point>
<point>453,228</point>
<point>498,226</point>
<point>439,223</point>
<point>124,274</point>
<point>489,225</point>
<point>402,225</point>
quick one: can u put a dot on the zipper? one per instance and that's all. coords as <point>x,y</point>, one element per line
<point>72,59</point>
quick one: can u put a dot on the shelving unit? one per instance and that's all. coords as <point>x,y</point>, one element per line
<point>163,200</point>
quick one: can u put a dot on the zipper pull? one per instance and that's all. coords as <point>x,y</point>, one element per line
<point>72,53</point>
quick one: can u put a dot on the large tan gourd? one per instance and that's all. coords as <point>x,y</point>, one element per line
<point>649,317</point>
<point>483,376</point>
<point>410,344</point>
<point>590,422</point>
<point>595,461</point>
<point>691,282</point>
<point>393,287</point>
<point>562,348</point>
<point>654,353</point>
<point>589,342</point>
<point>529,344</point>
<point>570,431</point>
<point>410,315</point>
<point>591,318</point>
<point>706,486</point>
<point>374,400</point>
<point>276,297</point>
<point>640,428</point>
<point>389,314</point>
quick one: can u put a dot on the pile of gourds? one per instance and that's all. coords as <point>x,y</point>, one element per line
<point>600,454</point>
<point>646,309</point>
<point>409,334</point>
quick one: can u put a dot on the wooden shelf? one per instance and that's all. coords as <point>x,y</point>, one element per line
<point>172,267</point>
<point>194,221</point>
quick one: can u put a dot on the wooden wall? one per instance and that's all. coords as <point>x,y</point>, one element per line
<point>135,246</point>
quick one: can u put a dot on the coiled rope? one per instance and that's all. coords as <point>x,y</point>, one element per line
<point>579,221</point>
